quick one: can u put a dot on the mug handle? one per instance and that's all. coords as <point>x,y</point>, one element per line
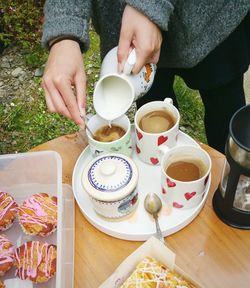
<point>168,101</point>
<point>163,149</point>
<point>130,63</point>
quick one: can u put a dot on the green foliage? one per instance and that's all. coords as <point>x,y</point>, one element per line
<point>21,25</point>
<point>92,63</point>
<point>191,110</point>
<point>24,125</point>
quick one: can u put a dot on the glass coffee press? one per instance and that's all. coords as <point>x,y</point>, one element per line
<point>231,201</point>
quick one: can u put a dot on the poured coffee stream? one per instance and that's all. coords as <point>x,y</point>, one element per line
<point>156,122</point>
<point>109,133</point>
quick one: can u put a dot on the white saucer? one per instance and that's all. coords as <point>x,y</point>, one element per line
<point>140,225</point>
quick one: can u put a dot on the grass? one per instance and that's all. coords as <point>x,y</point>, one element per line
<point>191,111</point>
<point>24,125</point>
<point>28,124</point>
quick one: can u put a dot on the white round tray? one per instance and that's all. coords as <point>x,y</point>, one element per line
<point>138,226</point>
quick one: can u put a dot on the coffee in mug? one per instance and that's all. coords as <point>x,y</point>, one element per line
<point>156,121</point>
<point>186,170</point>
<point>109,133</point>
<point>185,176</point>
<point>106,139</point>
<point>156,126</point>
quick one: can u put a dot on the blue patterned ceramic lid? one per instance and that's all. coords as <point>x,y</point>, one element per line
<point>110,177</point>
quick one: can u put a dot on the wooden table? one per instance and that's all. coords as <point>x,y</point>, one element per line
<point>215,254</point>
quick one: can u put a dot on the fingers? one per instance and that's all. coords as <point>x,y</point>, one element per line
<point>80,85</point>
<point>139,32</point>
<point>141,60</point>
<point>66,92</point>
<point>51,107</point>
<point>63,69</point>
<point>54,101</point>
<point>147,50</point>
<point>61,99</point>
<point>155,58</point>
<point>143,57</point>
<point>124,48</point>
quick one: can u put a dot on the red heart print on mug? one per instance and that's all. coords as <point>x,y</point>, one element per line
<point>162,139</point>
<point>138,150</point>
<point>189,195</point>
<point>139,135</point>
<point>177,205</point>
<point>206,179</point>
<point>154,161</point>
<point>163,191</point>
<point>170,183</point>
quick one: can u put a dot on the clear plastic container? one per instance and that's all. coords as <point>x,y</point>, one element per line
<point>23,175</point>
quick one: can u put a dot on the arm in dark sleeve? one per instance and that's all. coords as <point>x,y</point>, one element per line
<point>67,19</point>
<point>158,11</point>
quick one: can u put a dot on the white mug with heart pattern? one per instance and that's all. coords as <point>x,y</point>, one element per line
<point>185,172</point>
<point>148,141</point>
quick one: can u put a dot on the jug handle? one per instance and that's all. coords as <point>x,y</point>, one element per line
<point>130,63</point>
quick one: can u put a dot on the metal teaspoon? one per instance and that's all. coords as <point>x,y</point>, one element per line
<point>153,205</point>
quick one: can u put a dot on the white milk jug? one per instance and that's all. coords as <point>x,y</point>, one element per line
<point>114,93</point>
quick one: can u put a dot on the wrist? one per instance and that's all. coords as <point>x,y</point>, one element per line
<point>62,38</point>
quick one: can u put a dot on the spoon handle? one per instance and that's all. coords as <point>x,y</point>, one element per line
<point>90,132</point>
<point>158,230</point>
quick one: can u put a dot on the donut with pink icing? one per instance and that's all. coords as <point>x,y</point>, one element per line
<point>7,255</point>
<point>36,261</point>
<point>8,210</point>
<point>38,214</point>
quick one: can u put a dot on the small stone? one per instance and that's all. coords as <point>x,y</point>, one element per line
<point>5,65</point>
<point>17,72</point>
<point>39,72</point>
<point>183,129</point>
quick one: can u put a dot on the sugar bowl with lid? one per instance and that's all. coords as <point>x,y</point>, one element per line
<point>110,180</point>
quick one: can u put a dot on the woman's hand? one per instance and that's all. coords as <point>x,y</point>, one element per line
<point>138,32</point>
<point>64,70</point>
